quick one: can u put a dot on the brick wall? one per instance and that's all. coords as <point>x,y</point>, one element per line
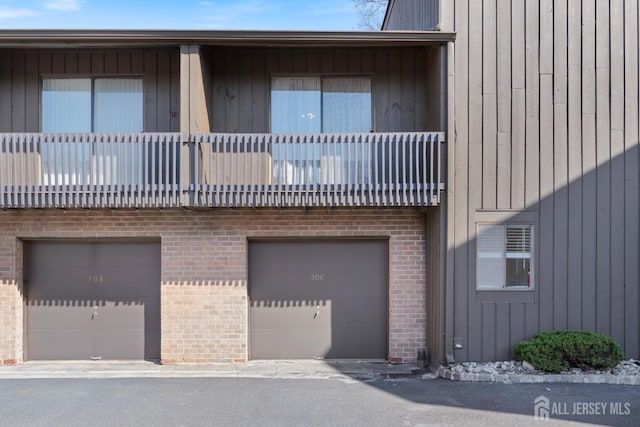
<point>204,268</point>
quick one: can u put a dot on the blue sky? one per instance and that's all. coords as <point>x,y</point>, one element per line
<point>179,14</point>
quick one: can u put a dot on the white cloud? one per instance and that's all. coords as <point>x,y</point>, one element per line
<point>12,13</point>
<point>64,5</point>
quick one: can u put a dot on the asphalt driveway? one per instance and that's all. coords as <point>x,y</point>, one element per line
<point>305,402</point>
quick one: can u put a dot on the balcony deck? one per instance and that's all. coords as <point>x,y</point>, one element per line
<point>219,170</point>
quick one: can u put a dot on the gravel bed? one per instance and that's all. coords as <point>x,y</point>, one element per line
<point>626,372</point>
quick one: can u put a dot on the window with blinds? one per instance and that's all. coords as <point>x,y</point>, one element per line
<point>504,256</point>
<point>84,105</point>
<point>92,105</point>
<point>321,104</point>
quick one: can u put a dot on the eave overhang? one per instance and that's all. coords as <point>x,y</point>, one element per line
<point>38,39</point>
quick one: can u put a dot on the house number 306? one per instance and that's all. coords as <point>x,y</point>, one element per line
<point>316,277</point>
<point>96,279</point>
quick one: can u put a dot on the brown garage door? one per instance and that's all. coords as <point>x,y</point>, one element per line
<point>92,300</point>
<point>318,299</point>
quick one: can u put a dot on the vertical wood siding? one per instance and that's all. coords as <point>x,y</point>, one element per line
<point>418,15</point>
<point>21,73</point>
<point>400,78</point>
<point>546,118</point>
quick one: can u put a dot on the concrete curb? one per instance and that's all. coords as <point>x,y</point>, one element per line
<point>275,370</point>
<point>446,373</point>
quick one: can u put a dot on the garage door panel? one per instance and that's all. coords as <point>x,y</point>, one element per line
<point>350,275</point>
<point>276,343</point>
<point>152,343</point>
<point>371,313</point>
<point>53,255</point>
<point>359,343</point>
<point>58,316</point>
<point>65,284</point>
<point>59,344</point>
<point>291,283</point>
<point>119,343</point>
<point>361,281</point>
<point>103,288</point>
<point>118,315</point>
<point>304,314</point>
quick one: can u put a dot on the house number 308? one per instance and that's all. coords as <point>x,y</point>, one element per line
<point>316,277</point>
<point>96,279</point>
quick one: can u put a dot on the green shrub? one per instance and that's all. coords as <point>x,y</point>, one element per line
<point>558,351</point>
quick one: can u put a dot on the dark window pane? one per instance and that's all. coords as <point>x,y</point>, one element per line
<point>518,272</point>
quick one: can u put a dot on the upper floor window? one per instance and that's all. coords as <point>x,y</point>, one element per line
<point>321,104</point>
<point>92,105</point>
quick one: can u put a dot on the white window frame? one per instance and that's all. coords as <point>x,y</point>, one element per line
<point>500,221</point>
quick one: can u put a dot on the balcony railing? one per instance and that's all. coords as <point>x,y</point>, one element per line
<point>372,169</point>
<point>90,170</point>
<point>219,170</point>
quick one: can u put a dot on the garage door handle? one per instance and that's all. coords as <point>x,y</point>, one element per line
<point>95,313</point>
<point>317,312</point>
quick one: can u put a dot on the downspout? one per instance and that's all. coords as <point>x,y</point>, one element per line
<point>448,224</point>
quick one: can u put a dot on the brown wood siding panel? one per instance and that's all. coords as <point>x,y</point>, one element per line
<point>518,104</point>
<point>84,63</point>
<point>603,171</point>
<point>461,143</point>
<point>469,305</point>
<point>616,281</point>
<point>150,85</point>
<point>97,63</point>
<point>429,115</point>
<point>532,137</point>
<point>111,63</point>
<point>488,335</point>
<point>560,190</point>
<point>572,118</point>
<point>632,208</point>
<point>245,92</point>
<point>5,91</point>
<point>163,110</point>
<point>419,15</point>
<point>578,105</point>
<point>175,90</point>
<point>504,97</point>
<point>574,135</point>
<point>32,93</point>
<point>21,72</point>
<point>545,237</point>
<point>124,63</point>
<point>241,80</point>
<point>589,164</point>
<point>18,101</point>
<point>231,100</point>
<point>489,105</point>
<point>395,91</point>
<point>408,103</point>
<point>381,89</point>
